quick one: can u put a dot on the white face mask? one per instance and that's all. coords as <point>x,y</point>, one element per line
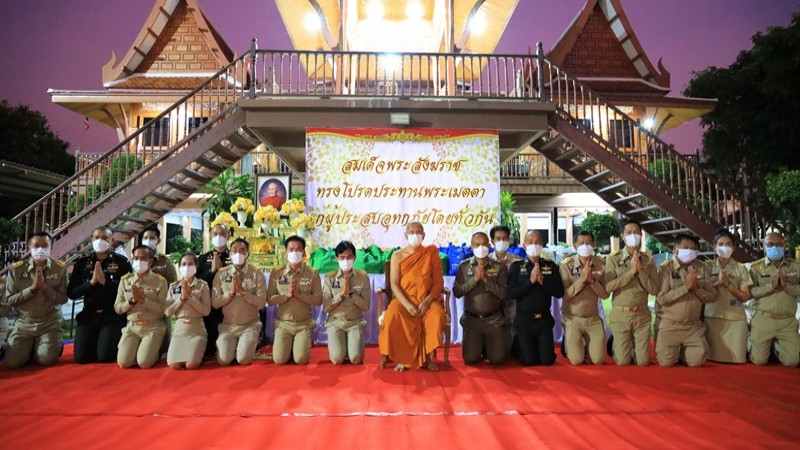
<point>40,253</point>
<point>100,245</point>
<point>346,264</point>
<point>533,250</point>
<point>686,255</point>
<point>219,241</point>
<point>724,252</point>
<point>188,271</point>
<point>294,257</point>
<point>501,246</point>
<point>152,243</point>
<point>633,240</point>
<point>480,251</point>
<point>238,259</point>
<point>585,250</point>
<point>140,267</point>
<point>414,240</point>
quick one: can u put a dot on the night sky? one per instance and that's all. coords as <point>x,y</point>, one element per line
<point>64,44</point>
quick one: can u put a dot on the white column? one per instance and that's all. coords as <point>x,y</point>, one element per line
<point>187,228</point>
<point>162,227</point>
<point>206,232</point>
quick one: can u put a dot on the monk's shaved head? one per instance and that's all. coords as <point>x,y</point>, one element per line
<point>415,227</point>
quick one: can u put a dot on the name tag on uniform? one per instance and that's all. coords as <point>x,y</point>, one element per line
<point>358,287</point>
<point>547,270</point>
<point>112,268</point>
<point>305,282</point>
<point>470,273</point>
<point>52,276</point>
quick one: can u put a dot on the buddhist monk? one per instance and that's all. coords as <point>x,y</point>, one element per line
<point>413,323</point>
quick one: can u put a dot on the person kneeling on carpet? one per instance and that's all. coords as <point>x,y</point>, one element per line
<point>345,297</point>
<point>240,290</point>
<point>142,295</point>
<point>295,288</point>
<point>189,301</point>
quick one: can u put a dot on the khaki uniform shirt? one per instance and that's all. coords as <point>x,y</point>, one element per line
<point>242,309</point>
<point>4,310</point>
<point>629,289</point>
<point>309,287</point>
<point>163,266</point>
<point>198,305</point>
<point>337,303</point>
<point>44,303</point>
<point>779,303</point>
<point>580,299</point>
<point>484,297</point>
<point>727,306</point>
<point>674,301</point>
<point>155,296</point>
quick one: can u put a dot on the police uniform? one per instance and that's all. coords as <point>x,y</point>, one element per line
<point>163,266</point>
<point>99,326</point>
<point>534,322</point>
<point>509,305</point>
<point>482,319</point>
<point>206,273</point>
<point>189,336</point>
<point>680,334</point>
<point>630,317</point>
<point>579,312</point>
<point>39,325</point>
<point>240,327</point>
<point>725,318</point>
<point>345,323</point>
<point>4,310</point>
<point>774,321</point>
<point>142,338</point>
<point>294,325</point>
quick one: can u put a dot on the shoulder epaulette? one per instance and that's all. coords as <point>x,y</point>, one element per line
<point>175,283</point>
<point>666,262</point>
<point>127,275</point>
<point>60,264</point>
<point>360,272</point>
<point>760,262</point>
<point>331,273</point>
<point>280,268</point>
<point>18,264</point>
<point>614,253</point>
<point>159,277</point>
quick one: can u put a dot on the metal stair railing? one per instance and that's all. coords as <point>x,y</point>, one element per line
<point>647,153</point>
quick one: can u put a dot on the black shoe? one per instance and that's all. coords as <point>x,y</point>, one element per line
<point>564,348</point>
<point>610,346</point>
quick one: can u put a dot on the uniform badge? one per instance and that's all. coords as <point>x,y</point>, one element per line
<point>523,269</point>
<point>676,276</point>
<point>112,267</point>
<point>336,284</point>
<point>177,290</point>
<point>283,280</point>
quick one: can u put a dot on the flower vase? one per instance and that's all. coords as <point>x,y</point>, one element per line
<point>303,233</point>
<point>241,216</point>
<point>265,228</point>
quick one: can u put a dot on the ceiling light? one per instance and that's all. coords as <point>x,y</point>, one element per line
<point>414,11</point>
<point>312,22</point>
<point>375,10</point>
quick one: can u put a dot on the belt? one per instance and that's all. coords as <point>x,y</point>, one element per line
<point>482,316</point>
<point>141,323</point>
<point>774,315</point>
<point>684,322</point>
<point>189,319</point>
<point>627,308</point>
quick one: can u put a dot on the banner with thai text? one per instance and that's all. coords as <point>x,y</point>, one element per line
<point>366,185</point>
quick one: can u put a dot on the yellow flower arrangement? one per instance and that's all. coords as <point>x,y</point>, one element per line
<point>226,220</point>
<point>303,222</point>
<point>293,206</point>
<point>267,214</point>
<point>243,205</point>
<point>262,247</point>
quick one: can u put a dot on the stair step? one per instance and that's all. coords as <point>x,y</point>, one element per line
<point>180,186</point>
<point>584,165</point>
<point>165,197</point>
<point>151,209</point>
<point>670,232</point>
<point>191,173</point>
<point>224,153</point>
<point>656,221</point>
<point>597,176</point>
<point>134,219</point>
<point>643,209</point>
<point>569,154</point>
<point>612,187</point>
<point>209,163</point>
<point>627,198</point>
<point>240,140</point>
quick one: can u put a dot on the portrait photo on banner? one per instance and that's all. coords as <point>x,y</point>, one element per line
<point>273,189</point>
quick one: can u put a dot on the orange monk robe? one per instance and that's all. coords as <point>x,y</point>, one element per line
<point>407,339</point>
<point>276,201</point>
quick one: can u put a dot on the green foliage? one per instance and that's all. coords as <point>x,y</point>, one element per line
<point>10,231</point>
<point>602,226</point>
<point>178,245</point>
<point>507,216</point>
<point>783,192</point>
<point>753,130</point>
<point>121,167</point>
<point>26,138</point>
<point>655,247</point>
<point>297,195</point>
<point>667,170</point>
<point>225,189</point>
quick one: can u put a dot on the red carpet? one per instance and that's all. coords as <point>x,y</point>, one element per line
<point>72,406</point>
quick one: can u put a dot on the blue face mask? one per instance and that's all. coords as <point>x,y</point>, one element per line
<point>775,253</point>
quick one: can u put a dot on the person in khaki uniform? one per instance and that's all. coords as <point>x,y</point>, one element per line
<point>239,289</point>
<point>482,282</point>
<point>630,276</point>
<point>776,285</point>
<point>500,236</point>
<point>189,300</point>
<point>346,297</point>
<point>582,275</point>
<point>142,295</point>
<point>161,264</point>
<point>36,289</point>
<point>295,288</point>
<point>4,310</point>
<point>685,286</point>
<point>725,318</point>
